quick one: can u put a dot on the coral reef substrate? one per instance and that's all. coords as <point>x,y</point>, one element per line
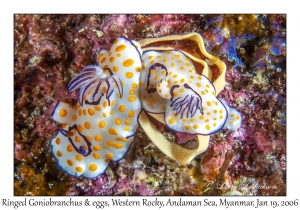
<point>51,49</point>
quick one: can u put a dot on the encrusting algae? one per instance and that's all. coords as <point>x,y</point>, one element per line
<point>255,62</point>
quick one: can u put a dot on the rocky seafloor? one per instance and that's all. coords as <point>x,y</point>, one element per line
<point>51,49</point>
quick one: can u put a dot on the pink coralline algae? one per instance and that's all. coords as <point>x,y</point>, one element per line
<point>51,49</point>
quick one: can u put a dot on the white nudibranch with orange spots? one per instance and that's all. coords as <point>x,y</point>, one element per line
<point>174,93</point>
<point>170,85</point>
<point>101,126</point>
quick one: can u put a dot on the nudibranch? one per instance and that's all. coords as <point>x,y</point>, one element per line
<point>186,101</point>
<point>102,125</point>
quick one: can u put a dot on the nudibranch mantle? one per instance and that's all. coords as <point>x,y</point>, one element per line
<point>101,126</point>
<point>173,87</point>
